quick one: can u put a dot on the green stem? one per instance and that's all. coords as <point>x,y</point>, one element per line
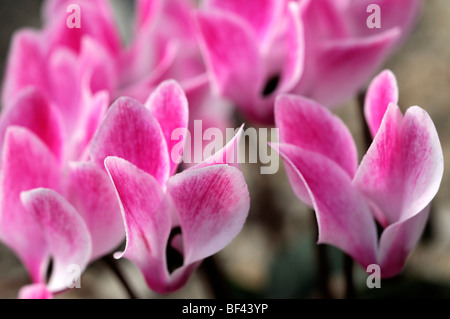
<point>114,267</point>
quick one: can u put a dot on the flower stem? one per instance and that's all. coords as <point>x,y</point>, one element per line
<point>114,267</point>
<point>364,126</point>
<point>350,292</point>
<point>322,263</point>
<point>215,278</point>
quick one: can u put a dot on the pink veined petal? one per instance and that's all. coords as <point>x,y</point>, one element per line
<point>295,55</point>
<point>27,164</point>
<point>147,217</point>
<point>343,67</point>
<point>95,109</point>
<point>65,233</point>
<point>423,161</point>
<point>231,52</point>
<point>98,65</point>
<point>169,106</point>
<point>403,168</point>
<point>65,85</point>
<point>146,11</point>
<point>227,155</point>
<point>379,175</point>
<point>398,240</point>
<point>138,83</point>
<point>131,132</point>
<point>344,218</point>
<point>212,205</point>
<point>260,15</point>
<point>90,191</point>
<point>35,291</point>
<point>324,19</point>
<point>33,111</point>
<point>382,91</point>
<point>310,126</point>
<point>25,65</point>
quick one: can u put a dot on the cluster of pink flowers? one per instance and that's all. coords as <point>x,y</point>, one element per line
<point>85,132</point>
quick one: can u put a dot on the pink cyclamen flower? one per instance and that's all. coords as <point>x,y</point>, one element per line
<point>49,211</point>
<point>195,213</point>
<point>75,70</point>
<point>321,49</point>
<point>253,50</point>
<point>165,47</point>
<point>394,184</point>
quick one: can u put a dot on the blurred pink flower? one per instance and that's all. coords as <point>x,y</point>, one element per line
<point>49,211</point>
<point>74,70</point>
<point>195,213</point>
<point>394,184</point>
<point>321,49</point>
<point>253,50</point>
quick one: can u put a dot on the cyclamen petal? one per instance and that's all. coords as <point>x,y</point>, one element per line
<point>26,53</point>
<point>227,155</point>
<point>259,14</point>
<point>130,131</point>
<point>33,111</point>
<point>68,245</point>
<point>394,184</point>
<point>212,204</point>
<point>147,218</point>
<point>35,291</point>
<point>90,191</point>
<point>341,70</point>
<point>294,49</point>
<point>398,240</point>
<point>232,55</point>
<point>169,106</point>
<point>382,91</point>
<point>308,125</point>
<point>343,216</point>
<point>27,164</point>
<point>403,168</point>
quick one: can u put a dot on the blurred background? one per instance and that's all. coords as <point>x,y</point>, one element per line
<point>275,256</point>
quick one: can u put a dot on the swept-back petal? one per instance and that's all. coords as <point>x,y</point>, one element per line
<point>344,66</point>
<point>308,125</point>
<point>131,132</point>
<point>212,205</point>
<point>232,55</point>
<point>229,154</point>
<point>382,91</point>
<point>260,15</point>
<point>398,240</point>
<point>403,168</point>
<point>35,291</point>
<point>344,217</point>
<point>90,191</point>
<point>147,217</point>
<point>169,106</point>
<point>33,111</point>
<point>65,233</point>
<point>27,164</point>
<point>25,65</point>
